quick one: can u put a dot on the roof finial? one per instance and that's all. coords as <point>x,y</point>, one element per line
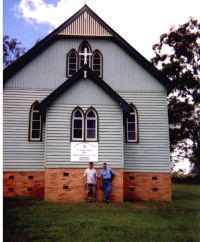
<point>85,2</point>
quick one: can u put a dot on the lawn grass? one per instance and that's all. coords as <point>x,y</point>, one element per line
<point>27,220</point>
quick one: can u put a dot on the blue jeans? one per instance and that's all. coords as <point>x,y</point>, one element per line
<point>106,185</point>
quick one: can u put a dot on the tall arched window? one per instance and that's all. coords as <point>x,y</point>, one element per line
<point>72,63</point>
<point>82,48</point>
<point>35,123</point>
<point>97,63</point>
<point>77,124</point>
<point>91,125</point>
<point>132,126</point>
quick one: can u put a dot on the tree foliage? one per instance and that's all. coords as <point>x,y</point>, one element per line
<point>12,50</point>
<point>177,55</point>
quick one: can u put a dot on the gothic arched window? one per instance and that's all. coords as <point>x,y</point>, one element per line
<point>97,63</point>
<point>72,63</point>
<point>35,123</point>
<point>77,124</point>
<point>132,126</point>
<point>81,51</point>
<point>91,125</point>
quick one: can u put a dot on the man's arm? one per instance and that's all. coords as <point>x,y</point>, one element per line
<point>95,176</point>
<point>112,171</point>
<point>101,184</point>
<point>85,177</point>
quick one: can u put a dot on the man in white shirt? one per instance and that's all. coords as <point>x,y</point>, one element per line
<point>90,175</point>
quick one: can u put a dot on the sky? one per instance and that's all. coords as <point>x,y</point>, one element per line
<point>140,22</point>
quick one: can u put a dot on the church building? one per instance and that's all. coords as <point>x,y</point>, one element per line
<point>84,94</point>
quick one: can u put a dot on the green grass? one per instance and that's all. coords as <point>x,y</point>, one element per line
<point>33,220</point>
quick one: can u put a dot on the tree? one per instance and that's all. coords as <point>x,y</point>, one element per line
<point>12,50</point>
<point>177,55</point>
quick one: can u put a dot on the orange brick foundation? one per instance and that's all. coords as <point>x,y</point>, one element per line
<point>68,185</point>
<point>24,184</point>
<point>147,186</point>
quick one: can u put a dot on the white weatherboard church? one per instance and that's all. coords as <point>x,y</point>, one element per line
<point>84,94</point>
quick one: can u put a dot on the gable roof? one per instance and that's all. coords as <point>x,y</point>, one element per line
<point>46,102</point>
<point>65,31</point>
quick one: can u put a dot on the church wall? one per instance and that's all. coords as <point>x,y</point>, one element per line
<point>87,92</point>
<point>151,153</point>
<point>84,94</point>
<point>18,153</point>
<point>58,146</point>
<point>48,70</point>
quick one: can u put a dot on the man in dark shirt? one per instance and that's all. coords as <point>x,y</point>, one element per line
<point>106,180</point>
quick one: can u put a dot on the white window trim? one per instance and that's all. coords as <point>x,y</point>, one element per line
<point>31,125</point>
<point>136,129</point>
<point>75,118</point>
<point>68,57</point>
<point>96,120</point>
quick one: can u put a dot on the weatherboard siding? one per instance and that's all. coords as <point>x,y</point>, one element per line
<point>120,71</point>
<point>151,154</point>
<point>58,145</point>
<point>85,93</point>
<point>18,153</point>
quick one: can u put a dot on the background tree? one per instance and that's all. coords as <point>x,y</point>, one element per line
<point>177,55</point>
<point>12,50</point>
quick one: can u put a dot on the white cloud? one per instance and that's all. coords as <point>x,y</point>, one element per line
<point>140,22</point>
<point>39,12</point>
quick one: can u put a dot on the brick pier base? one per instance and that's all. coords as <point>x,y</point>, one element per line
<point>147,186</point>
<point>68,185</point>
<point>23,184</point>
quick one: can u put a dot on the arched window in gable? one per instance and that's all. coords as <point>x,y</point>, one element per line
<point>72,63</point>
<point>132,126</point>
<point>77,124</point>
<point>81,51</point>
<point>35,123</point>
<point>97,63</point>
<point>91,125</point>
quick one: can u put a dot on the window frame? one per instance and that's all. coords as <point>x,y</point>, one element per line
<point>79,51</point>
<point>135,112</point>
<point>101,62</point>
<point>77,60</point>
<point>72,125</point>
<point>96,125</point>
<point>30,138</point>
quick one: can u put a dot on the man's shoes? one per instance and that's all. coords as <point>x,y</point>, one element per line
<point>106,201</point>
